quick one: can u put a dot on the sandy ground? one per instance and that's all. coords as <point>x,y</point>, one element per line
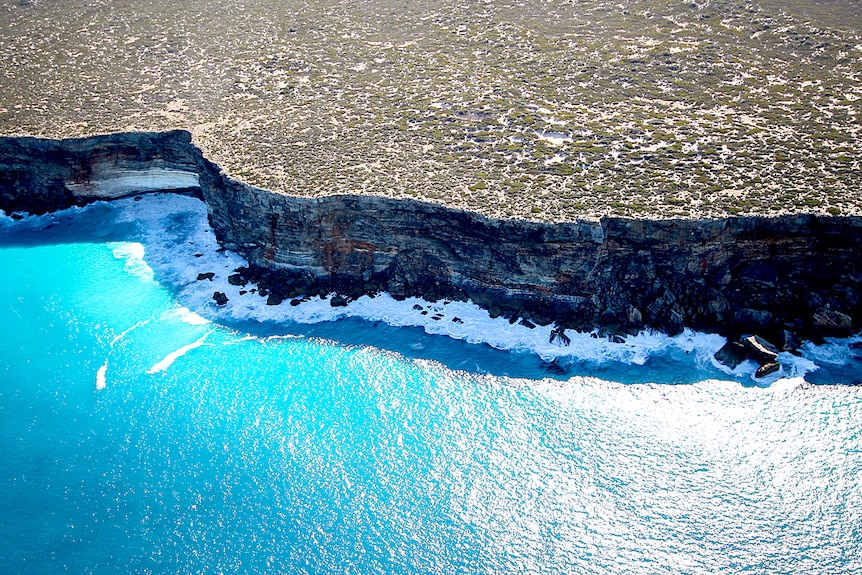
<point>546,110</point>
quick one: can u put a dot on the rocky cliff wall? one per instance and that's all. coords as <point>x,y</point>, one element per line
<point>38,175</point>
<point>786,277</point>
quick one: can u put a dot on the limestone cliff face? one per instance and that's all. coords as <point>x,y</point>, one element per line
<point>39,175</point>
<point>797,274</point>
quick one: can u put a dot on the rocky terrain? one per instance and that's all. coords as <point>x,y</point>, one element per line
<point>785,278</point>
<point>586,163</point>
<point>42,175</point>
<point>533,109</point>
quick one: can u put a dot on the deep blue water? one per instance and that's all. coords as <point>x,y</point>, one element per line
<point>138,437</point>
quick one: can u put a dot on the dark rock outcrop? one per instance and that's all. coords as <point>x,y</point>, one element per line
<point>754,348</point>
<point>759,349</point>
<point>273,299</point>
<point>626,274</point>
<point>41,175</point>
<point>237,280</point>
<point>797,274</point>
<point>559,335</point>
<point>767,369</point>
<point>731,354</point>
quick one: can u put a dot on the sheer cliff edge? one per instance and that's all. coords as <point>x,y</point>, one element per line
<point>789,278</point>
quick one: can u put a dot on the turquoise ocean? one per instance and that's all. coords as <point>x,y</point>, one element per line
<point>143,429</point>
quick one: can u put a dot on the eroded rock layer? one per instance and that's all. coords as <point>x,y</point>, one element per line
<point>786,277</point>
<point>39,175</point>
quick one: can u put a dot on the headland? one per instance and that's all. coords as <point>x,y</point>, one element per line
<point>787,278</point>
<point>654,165</point>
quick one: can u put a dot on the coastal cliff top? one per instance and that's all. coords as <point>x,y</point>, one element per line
<point>536,109</point>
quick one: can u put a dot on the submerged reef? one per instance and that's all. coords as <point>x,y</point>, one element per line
<point>787,277</point>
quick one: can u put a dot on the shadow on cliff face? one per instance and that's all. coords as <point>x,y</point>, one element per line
<point>666,362</point>
<point>787,278</point>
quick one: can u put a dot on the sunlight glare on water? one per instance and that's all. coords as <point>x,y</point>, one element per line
<point>139,436</point>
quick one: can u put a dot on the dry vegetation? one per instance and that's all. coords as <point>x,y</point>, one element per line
<point>536,109</point>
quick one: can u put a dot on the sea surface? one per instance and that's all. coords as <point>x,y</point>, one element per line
<point>143,429</point>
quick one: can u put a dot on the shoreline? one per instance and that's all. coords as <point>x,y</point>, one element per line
<point>788,278</point>
<point>167,239</point>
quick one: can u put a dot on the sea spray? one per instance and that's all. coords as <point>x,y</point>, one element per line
<point>169,359</point>
<point>174,243</point>
<point>180,254</point>
<point>101,381</point>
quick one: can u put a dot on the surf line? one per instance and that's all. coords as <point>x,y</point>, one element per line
<point>171,357</point>
<point>126,331</point>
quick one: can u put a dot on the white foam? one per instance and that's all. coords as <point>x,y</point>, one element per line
<point>179,244</point>
<point>792,367</point>
<point>101,382</point>
<point>133,253</point>
<point>463,321</point>
<point>170,250</point>
<point>32,222</point>
<point>174,355</point>
<point>126,331</point>
<point>834,351</point>
<point>185,315</point>
<point>787,383</point>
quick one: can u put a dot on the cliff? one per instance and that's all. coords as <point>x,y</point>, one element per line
<point>39,175</point>
<point>785,277</point>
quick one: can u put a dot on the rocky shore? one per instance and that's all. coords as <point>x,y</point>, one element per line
<point>783,278</point>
